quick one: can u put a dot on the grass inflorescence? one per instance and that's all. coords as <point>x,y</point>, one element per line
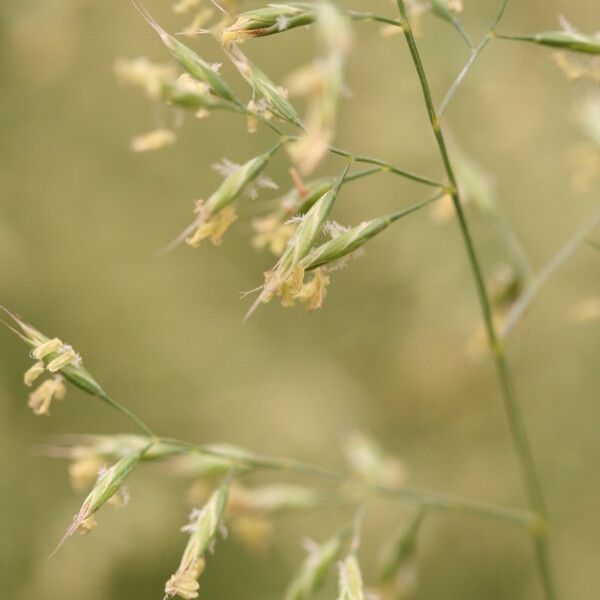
<point>308,246</point>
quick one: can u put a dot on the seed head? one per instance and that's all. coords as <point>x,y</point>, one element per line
<point>212,219</point>
<point>345,243</point>
<point>274,96</point>
<point>274,18</point>
<point>56,356</point>
<point>189,60</point>
<point>108,484</point>
<point>286,277</point>
<point>312,573</point>
<point>203,527</point>
<point>574,41</point>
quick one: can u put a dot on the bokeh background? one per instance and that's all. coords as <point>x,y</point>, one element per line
<point>81,218</point>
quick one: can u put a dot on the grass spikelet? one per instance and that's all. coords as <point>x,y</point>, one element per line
<point>106,487</point>
<point>189,60</point>
<point>274,96</point>
<point>214,216</point>
<point>203,528</point>
<point>350,240</point>
<point>271,19</point>
<point>56,357</point>
<point>312,573</point>
<point>573,41</point>
<point>286,277</point>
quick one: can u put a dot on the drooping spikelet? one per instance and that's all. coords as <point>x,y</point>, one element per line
<point>312,573</point>
<point>55,357</point>
<point>203,527</point>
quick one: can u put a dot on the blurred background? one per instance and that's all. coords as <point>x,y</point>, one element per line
<point>81,219</point>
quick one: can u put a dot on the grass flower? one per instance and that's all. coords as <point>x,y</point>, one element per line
<point>41,398</point>
<point>109,483</point>
<point>215,215</point>
<point>312,573</point>
<point>56,357</point>
<point>275,97</point>
<point>203,527</point>
<point>276,229</point>
<point>197,67</point>
<point>274,18</point>
<point>285,279</point>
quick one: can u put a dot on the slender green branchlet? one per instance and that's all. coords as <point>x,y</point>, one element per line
<point>566,40</point>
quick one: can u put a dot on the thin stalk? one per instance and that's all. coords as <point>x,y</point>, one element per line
<point>475,52</point>
<point>363,173</point>
<point>129,414</point>
<point>441,502</point>
<point>386,166</point>
<point>358,158</point>
<point>548,271</point>
<point>456,23</point>
<point>369,16</point>
<point>417,206</point>
<point>513,411</point>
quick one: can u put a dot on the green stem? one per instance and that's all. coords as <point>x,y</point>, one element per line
<point>358,158</point>
<point>129,414</point>
<point>386,166</point>
<point>369,16</point>
<point>363,173</point>
<point>475,52</point>
<point>519,436</point>
<point>441,502</point>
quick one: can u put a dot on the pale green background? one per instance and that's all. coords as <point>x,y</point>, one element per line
<point>81,219</point>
